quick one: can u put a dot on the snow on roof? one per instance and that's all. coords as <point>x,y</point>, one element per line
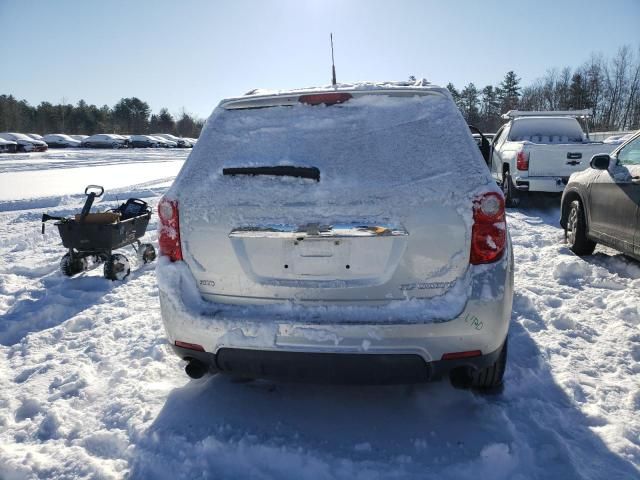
<point>344,86</point>
<point>511,114</point>
<point>356,86</point>
<point>260,98</point>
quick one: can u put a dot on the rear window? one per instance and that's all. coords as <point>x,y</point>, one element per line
<point>375,139</point>
<point>546,130</point>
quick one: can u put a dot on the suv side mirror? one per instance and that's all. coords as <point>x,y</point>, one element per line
<point>601,161</point>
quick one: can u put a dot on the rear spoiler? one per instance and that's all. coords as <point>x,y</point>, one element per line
<point>295,98</point>
<point>556,113</point>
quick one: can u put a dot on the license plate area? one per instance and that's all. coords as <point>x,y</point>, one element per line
<point>317,256</point>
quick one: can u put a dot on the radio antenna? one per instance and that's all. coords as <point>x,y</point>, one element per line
<point>333,63</point>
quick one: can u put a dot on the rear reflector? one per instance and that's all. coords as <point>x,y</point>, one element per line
<point>169,235</point>
<point>459,355</point>
<point>325,98</point>
<point>190,346</point>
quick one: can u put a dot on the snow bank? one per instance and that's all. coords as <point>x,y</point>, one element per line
<point>91,390</point>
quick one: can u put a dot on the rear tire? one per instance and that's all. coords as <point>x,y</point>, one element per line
<point>511,195</point>
<point>117,267</point>
<point>491,376</point>
<point>72,265</point>
<point>575,231</point>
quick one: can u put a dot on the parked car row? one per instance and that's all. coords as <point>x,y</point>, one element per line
<point>11,142</point>
<point>20,142</point>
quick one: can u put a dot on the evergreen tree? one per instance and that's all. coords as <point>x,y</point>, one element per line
<point>132,115</point>
<point>455,94</point>
<point>470,101</point>
<point>509,92</point>
<point>490,109</point>
<point>166,123</point>
<point>578,94</point>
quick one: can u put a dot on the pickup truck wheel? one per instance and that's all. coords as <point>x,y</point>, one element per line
<point>491,377</point>
<point>511,195</point>
<point>576,231</point>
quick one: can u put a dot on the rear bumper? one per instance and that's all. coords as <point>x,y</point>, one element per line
<point>331,368</point>
<point>541,184</point>
<point>258,342</point>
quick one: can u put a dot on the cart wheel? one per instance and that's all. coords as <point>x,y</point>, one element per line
<point>117,267</point>
<point>71,265</point>
<point>146,253</point>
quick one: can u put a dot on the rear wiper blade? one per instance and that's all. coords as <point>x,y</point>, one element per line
<point>279,171</point>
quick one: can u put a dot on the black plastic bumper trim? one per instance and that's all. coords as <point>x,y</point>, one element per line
<point>332,368</point>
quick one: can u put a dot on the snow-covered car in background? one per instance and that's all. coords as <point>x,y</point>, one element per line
<point>538,151</point>
<point>60,140</point>
<point>602,204</point>
<point>144,141</point>
<point>180,142</point>
<point>105,140</point>
<point>79,137</point>
<point>8,146</point>
<point>163,142</point>
<point>321,235</point>
<point>25,142</point>
<point>35,136</point>
<point>618,139</point>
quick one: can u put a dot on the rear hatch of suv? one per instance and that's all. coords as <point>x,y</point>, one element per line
<point>347,198</point>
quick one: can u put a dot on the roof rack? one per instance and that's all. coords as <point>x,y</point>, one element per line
<point>556,113</point>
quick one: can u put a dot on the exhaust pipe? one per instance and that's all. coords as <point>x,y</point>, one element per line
<point>195,369</point>
<point>461,377</point>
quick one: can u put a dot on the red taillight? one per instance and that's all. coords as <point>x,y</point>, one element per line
<point>522,160</point>
<point>190,346</point>
<point>458,355</point>
<point>169,236</point>
<point>326,98</point>
<point>489,233</point>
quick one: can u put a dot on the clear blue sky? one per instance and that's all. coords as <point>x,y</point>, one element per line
<point>193,53</point>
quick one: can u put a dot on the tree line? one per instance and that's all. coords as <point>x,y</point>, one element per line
<point>608,87</point>
<point>128,116</point>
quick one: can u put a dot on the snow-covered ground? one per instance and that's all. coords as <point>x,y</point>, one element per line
<point>89,389</point>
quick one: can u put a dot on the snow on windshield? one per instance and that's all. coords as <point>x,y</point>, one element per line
<point>21,136</point>
<point>372,143</point>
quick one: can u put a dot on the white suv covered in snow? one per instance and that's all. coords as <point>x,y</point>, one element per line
<point>341,234</point>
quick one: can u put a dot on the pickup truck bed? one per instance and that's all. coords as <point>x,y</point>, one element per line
<point>551,165</point>
<point>538,152</point>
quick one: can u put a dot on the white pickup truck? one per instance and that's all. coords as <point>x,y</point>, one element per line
<point>538,151</point>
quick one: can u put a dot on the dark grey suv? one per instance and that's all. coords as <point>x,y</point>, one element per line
<point>602,204</point>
